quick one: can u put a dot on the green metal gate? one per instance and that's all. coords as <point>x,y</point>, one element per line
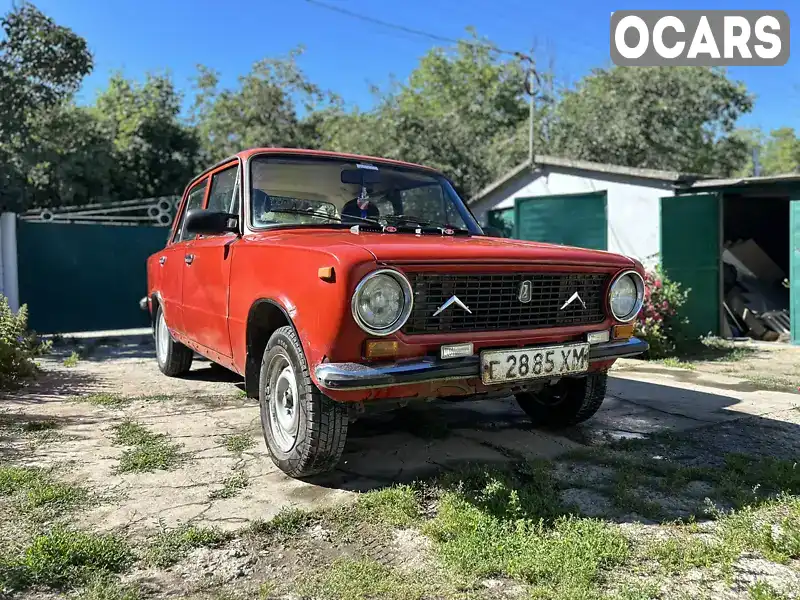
<point>569,219</point>
<point>76,277</point>
<point>690,255</point>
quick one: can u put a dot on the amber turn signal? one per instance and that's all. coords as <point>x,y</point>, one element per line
<point>327,274</point>
<point>623,332</point>
<point>381,349</point>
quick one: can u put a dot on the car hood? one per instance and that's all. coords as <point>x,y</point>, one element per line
<point>403,248</point>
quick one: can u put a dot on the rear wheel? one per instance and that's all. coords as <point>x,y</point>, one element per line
<point>305,431</point>
<point>569,402</point>
<point>173,358</point>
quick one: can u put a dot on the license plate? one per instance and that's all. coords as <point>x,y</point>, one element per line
<point>500,366</point>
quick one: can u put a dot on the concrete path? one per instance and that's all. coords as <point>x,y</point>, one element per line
<point>197,411</point>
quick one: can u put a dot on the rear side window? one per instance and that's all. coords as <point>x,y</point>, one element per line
<point>223,190</point>
<point>195,200</point>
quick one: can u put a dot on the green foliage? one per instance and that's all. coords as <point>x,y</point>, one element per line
<point>18,346</point>
<point>173,544</point>
<point>349,579</point>
<point>37,494</point>
<point>63,558</point>
<point>659,322</point>
<point>396,506</point>
<point>154,153</point>
<point>238,442</point>
<point>231,486</point>
<point>262,111</point>
<point>675,118</point>
<point>148,451</point>
<point>107,587</point>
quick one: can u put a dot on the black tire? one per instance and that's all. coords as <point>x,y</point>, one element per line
<point>321,423</point>
<point>569,402</point>
<point>174,359</point>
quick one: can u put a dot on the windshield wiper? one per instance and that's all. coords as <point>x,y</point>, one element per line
<point>334,218</point>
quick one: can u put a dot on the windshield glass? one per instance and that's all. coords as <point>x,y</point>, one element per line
<point>323,191</point>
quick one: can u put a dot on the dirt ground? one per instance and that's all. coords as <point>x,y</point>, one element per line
<point>218,473</point>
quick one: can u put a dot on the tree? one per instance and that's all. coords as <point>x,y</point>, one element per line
<point>264,110</point>
<point>462,111</point>
<point>154,152</point>
<point>41,66</point>
<point>780,152</point>
<point>676,118</point>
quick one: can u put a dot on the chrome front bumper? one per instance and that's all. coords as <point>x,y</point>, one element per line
<point>356,376</point>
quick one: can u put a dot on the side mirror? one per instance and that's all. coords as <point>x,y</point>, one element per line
<point>210,222</point>
<point>492,231</point>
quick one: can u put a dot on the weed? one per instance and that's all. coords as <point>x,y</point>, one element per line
<point>348,579</point>
<point>266,590</point>
<point>72,360</point>
<point>38,426</point>
<point>37,494</point>
<point>64,557</point>
<point>231,486</point>
<point>679,554</point>
<point>148,451</point>
<point>396,506</point>
<point>287,522</point>
<point>106,587</point>
<point>677,363</point>
<point>238,442</point>
<point>761,590</point>
<point>104,399</point>
<point>497,522</point>
<point>172,545</point>
<point>772,529</point>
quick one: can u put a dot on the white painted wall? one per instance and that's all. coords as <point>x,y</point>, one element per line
<point>633,205</point>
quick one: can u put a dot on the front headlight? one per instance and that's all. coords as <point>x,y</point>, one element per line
<point>626,296</point>
<point>382,302</point>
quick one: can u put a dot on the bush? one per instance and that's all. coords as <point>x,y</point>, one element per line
<point>18,346</point>
<point>659,322</point>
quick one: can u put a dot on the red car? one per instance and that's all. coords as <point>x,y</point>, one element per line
<point>335,283</point>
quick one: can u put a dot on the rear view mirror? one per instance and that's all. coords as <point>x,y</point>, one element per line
<point>209,222</point>
<point>360,176</point>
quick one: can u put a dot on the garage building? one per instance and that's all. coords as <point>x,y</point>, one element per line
<point>698,228</point>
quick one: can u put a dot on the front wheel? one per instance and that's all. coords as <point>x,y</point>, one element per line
<point>305,431</point>
<point>569,402</point>
<point>173,358</point>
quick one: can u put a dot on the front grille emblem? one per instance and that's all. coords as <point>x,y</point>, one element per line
<point>452,300</point>
<point>572,299</point>
<point>526,291</point>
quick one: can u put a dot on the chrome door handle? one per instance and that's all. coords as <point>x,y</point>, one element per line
<point>188,259</point>
<point>162,260</point>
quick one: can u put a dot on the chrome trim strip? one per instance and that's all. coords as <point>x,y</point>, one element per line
<point>357,376</point>
<point>408,296</point>
<point>639,300</point>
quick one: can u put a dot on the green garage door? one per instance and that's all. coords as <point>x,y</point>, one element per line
<point>690,255</point>
<point>572,220</point>
<point>794,269</point>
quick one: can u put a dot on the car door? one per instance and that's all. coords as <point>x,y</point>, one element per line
<point>171,260</point>
<point>207,269</point>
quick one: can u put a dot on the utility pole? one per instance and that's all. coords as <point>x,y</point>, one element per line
<point>531,75</point>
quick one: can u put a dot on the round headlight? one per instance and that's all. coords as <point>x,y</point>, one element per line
<point>626,296</point>
<point>382,302</point>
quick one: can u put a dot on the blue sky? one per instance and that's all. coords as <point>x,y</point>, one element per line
<point>346,55</point>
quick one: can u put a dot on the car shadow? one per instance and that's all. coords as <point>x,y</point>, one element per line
<point>424,440</point>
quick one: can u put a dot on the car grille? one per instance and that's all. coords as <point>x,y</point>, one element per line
<point>494,301</point>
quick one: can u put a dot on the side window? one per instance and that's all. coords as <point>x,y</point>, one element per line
<point>195,200</point>
<point>223,186</point>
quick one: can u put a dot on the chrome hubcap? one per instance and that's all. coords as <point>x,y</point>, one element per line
<point>162,338</point>
<point>284,414</point>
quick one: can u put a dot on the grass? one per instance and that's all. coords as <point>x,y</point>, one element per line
<point>238,442</point>
<point>148,451</point>
<point>231,486</point>
<point>172,545</point>
<point>288,521</point>
<point>103,586</point>
<point>511,523</point>
<point>395,506</point>
<point>768,382</point>
<point>64,558</point>
<point>105,399</point>
<point>763,591</point>
<point>37,494</point>
<point>678,363</point>
<point>360,579</point>
<point>680,554</point>
<point>72,360</point>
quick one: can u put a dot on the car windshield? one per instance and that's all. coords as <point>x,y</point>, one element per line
<point>301,191</point>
